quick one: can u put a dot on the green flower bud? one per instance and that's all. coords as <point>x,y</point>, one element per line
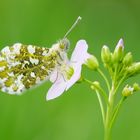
<point>105,54</point>
<point>131,69</point>
<point>127,60</point>
<point>136,87</point>
<point>92,62</point>
<point>118,52</point>
<point>92,87</point>
<point>96,85</point>
<point>134,68</point>
<point>137,67</point>
<point>127,91</point>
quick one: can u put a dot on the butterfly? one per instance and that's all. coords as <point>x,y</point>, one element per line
<point>23,66</point>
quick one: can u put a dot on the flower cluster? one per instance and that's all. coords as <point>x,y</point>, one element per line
<point>120,65</point>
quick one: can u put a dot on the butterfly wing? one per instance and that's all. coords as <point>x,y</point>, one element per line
<point>23,66</point>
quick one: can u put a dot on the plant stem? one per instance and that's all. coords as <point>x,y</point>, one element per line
<point>88,81</point>
<point>104,77</point>
<point>109,111</point>
<point>102,92</point>
<point>101,106</point>
<point>117,108</point>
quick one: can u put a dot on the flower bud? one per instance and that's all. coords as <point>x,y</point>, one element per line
<point>96,85</point>
<point>118,52</point>
<point>131,69</point>
<point>134,68</point>
<point>92,87</point>
<point>137,67</point>
<point>92,62</point>
<point>127,60</point>
<point>105,54</point>
<point>127,91</point>
<point>136,87</point>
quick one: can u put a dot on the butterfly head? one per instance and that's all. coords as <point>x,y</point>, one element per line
<point>64,44</point>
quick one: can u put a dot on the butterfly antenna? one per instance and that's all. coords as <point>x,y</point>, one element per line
<point>73,26</point>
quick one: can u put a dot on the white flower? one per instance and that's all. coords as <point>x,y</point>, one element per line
<point>69,73</point>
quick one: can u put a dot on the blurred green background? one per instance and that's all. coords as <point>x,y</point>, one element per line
<point>76,114</point>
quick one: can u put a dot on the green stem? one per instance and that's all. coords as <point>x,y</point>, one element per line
<point>101,106</point>
<point>115,73</point>
<point>121,81</point>
<point>116,110</point>
<point>88,81</point>
<point>104,95</point>
<point>102,92</point>
<point>104,77</point>
<point>109,114</point>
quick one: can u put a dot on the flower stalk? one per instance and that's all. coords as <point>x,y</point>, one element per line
<point>120,67</point>
<point>109,111</point>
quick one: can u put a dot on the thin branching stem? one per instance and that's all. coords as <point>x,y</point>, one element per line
<point>101,106</point>
<point>116,110</point>
<point>105,78</point>
<point>102,92</point>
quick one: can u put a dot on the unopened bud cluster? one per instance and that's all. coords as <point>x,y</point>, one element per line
<point>119,64</point>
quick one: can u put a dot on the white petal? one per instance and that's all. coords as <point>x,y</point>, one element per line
<point>87,56</point>
<point>79,56</point>
<point>130,88</point>
<point>79,52</point>
<point>56,89</point>
<point>75,77</point>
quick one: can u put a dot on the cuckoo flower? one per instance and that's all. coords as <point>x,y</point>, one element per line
<point>69,73</point>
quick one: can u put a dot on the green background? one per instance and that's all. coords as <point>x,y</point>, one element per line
<point>76,114</point>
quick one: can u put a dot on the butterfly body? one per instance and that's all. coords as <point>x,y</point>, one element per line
<point>23,66</point>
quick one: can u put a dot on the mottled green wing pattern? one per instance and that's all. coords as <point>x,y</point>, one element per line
<point>23,66</point>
